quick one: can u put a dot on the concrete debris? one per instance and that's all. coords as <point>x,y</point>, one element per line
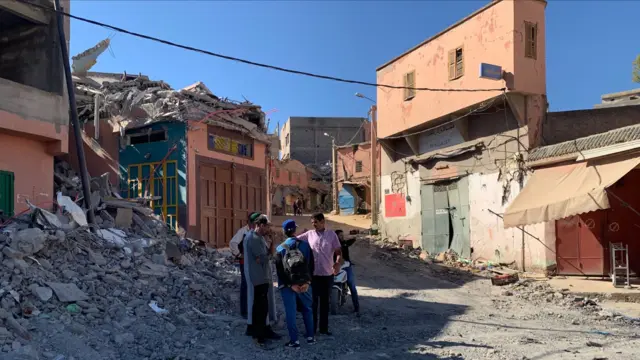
<point>80,278</point>
<point>540,292</point>
<point>137,101</point>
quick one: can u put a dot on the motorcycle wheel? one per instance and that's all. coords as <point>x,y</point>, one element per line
<point>334,301</point>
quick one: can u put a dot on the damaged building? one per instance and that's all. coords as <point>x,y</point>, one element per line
<point>197,159</point>
<point>34,112</point>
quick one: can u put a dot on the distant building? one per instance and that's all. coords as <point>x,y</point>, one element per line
<point>353,175</point>
<point>304,139</point>
<point>623,98</point>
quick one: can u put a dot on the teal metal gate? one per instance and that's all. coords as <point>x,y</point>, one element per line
<point>445,217</point>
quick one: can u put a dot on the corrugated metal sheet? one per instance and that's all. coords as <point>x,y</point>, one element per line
<point>617,136</point>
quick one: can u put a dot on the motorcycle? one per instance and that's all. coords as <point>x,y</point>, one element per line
<point>340,289</point>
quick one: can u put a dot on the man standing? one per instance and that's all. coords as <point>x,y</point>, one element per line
<point>258,273</point>
<point>234,245</point>
<point>351,280</point>
<point>324,245</point>
<point>294,263</point>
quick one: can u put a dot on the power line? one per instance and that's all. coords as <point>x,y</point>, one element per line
<point>249,62</point>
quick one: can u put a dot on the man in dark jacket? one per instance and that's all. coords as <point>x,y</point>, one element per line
<point>296,293</point>
<point>351,279</point>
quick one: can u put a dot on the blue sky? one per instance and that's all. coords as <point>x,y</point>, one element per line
<point>590,46</point>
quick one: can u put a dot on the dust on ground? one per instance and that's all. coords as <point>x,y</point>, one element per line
<point>410,310</point>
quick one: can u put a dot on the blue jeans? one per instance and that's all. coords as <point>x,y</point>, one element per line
<point>351,281</point>
<point>289,298</point>
<point>243,292</point>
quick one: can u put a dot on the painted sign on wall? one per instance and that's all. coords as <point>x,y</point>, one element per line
<point>223,144</point>
<point>490,71</point>
<point>440,138</point>
<point>395,205</point>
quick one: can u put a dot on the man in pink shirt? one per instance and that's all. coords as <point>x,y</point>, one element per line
<point>325,245</point>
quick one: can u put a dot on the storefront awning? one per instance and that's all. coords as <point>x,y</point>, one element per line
<point>562,191</point>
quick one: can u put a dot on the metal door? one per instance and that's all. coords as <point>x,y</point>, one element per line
<point>156,179</point>
<point>435,218</point>
<point>7,192</point>
<point>458,193</point>
<point>579,249</point>
<point>347,200</point>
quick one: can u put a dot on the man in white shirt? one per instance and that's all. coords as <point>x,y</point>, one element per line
<point>238,253</point>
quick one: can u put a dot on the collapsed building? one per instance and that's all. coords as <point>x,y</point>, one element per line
<point>198,160</point>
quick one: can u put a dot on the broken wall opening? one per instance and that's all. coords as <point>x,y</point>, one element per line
<point>29,53</point>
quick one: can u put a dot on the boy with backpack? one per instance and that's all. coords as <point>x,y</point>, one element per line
<point>294,264</point>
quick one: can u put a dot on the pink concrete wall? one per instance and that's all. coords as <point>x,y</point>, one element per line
<point>530,75</point>
<point>297,171</point>
<point>33,169</point>
<point>493,35</point>
<point>197,145</point>
<point>491,241</point>
<point>347,161</point>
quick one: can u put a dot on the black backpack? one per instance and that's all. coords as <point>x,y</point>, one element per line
<point>295,265</point>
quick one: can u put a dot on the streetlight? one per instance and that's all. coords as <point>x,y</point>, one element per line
<point>334,184</point>
<point>362,96</point>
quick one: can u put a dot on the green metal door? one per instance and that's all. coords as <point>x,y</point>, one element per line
<point>6,192</point>
<point>435,218</point>
<point>458,193</point>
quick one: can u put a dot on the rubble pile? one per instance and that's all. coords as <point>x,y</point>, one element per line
<point>540,292</point>
<point>137,101</point>
<point>131,276</point>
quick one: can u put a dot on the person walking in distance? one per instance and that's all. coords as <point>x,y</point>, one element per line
<point>258,273</point>
<point>351,280</point>
<point>294,264</point>
<point>327,255</point>
<point>235,245</point>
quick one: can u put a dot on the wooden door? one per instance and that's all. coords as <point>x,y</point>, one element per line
<point>216,205</point>
<point>248,195</point>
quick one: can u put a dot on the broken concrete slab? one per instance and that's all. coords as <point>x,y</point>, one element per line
<point>29,241</point>
<point>43,293</point>
<point>124,218</point>
<point>68,292</point>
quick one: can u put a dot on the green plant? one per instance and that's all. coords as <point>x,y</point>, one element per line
<point>636,70</point>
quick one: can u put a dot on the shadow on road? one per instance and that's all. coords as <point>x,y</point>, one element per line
<point>398,327</point>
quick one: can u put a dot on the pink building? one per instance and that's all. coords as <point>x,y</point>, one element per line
<point>449,157</point>
<point>33,104</point>
<point>353,175</point>
<point>289,182</point>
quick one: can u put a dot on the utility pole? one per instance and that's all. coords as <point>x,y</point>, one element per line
<point>334,181</point>
<point>84,174</point>
<point>374,166</point>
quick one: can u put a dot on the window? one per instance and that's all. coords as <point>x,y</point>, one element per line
<point>358,166</point>
<point>287,140</point>
<point>298,178</point>
<point>290,176</point>
<point>456,64</point>
<point>410,82</point>
<point>531,40</point>
<point>153,136</point>
<point>230,146</point>
<point>277,173</point>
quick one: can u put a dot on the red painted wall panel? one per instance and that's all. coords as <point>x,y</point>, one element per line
<point>395,205</point>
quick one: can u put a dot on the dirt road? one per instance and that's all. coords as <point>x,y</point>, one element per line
<point>410,310</point>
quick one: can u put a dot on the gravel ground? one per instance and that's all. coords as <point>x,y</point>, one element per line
<point>408,312</point>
